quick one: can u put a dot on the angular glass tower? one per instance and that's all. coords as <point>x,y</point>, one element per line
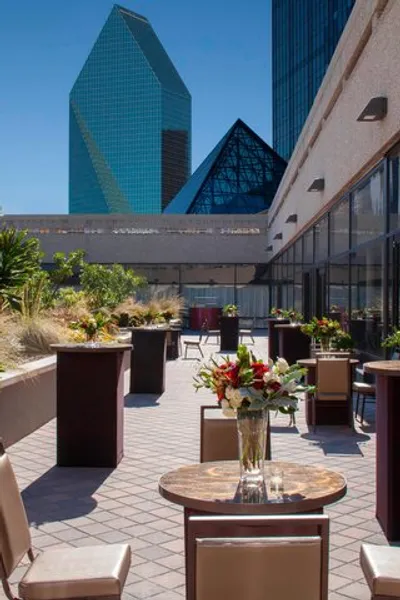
<point>130,123</point>
<point>241,175</point>
<point>305,34</point>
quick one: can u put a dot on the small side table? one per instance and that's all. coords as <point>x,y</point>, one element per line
<point>90,404</point>
<point>148,360</point>
<point>387,376</point>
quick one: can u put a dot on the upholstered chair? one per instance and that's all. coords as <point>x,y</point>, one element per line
<point>333,384</point>
<point>57,574</point>
<point>255,558</point>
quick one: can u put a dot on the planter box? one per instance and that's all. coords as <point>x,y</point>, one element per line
<point>27,399</point>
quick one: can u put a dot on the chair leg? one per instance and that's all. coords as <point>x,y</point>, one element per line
<point>252,339</point>
<point>357,402</point>
<point>362,410</point>
<point>186,349</point>
<point>313,414</point>
<point>201,351</point>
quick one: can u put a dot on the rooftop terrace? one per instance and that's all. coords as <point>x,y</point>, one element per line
<point>81,506</point>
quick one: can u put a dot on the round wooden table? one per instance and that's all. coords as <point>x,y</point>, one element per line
<point>213,488</point>
<point>336,413</point>
<point>387,415</point>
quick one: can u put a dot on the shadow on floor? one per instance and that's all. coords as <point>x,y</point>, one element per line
<point>344,442</point>
<point>283,429</point>
<point>141,400</point>
<point>63,493</point>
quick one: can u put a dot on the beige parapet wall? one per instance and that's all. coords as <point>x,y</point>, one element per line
<point>28,398</point>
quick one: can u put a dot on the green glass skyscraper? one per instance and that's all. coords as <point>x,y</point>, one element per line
<point>305,34</point>
<point>130,123</point>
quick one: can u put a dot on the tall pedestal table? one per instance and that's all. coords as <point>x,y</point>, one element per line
<point>273,339</point>
<point>293,343</point>
<point>229,333</point>
<point>387,374</point>
<point>90,404</point>
<point>148,361</point>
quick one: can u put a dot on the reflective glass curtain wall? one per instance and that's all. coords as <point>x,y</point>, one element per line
<point>304,38</point>
<point>130,123</point>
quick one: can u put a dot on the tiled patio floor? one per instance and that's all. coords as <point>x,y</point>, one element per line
<point>76,507</point>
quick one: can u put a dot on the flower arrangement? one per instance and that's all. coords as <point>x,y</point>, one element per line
<point>279,313</point>
<point>321,329</point>
<point>294,315</point>
<point>91,326</point>
<point>392,340</point>
<point>250,384</point>
<point>230,310</point>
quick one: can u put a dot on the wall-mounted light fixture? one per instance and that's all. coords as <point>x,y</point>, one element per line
<point>318,185</point>
<point>292,218</point>
<point>269,248</point>
<point>278,236</point>
<point>376,109</point>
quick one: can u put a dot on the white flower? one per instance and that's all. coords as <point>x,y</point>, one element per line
<point>270,363</point>
<point>236,400</point>
<point>290,386</point>
<point>282,365</point>
<point>271,376</point>
<point>227,411</point>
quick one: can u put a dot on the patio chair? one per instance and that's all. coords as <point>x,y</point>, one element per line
<point>363,390</point>
<point>258,557</point>
<point>381,568</point>
<point>194,344</point>
<point>333,383</point>
<point>210,332</point>
<point>219,436</point>
<point>247,332</point>
<point>57,574</point>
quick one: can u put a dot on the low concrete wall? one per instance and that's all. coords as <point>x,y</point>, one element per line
<point>27,399</point>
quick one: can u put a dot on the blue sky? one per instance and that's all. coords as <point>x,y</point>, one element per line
<point>221,49</point>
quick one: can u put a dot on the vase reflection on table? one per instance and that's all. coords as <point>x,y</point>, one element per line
<point>247,389</point>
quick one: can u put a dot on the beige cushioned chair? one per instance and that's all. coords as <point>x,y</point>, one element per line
<point>333,383</point>
<point>219,436</point>
<point>257,558</point>
<point>381,567</point>
<point>88,572</point>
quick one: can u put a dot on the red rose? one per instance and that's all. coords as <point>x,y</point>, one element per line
<point>220,393</point>
<point>233,375</point>
<point>259,369</point>
<point>275,386</point>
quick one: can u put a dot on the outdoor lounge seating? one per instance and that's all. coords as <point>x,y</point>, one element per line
<point>248,557</point>
<point>333,384</point>
<point>65,573</point>
<point>381,567</point>
<point>219,436</point>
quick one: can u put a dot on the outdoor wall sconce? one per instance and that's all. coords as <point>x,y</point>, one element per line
<point>278,236</point>
<point>318,185</point>
<point>269,248</point>
<point>376,109</point>
<point>292,218</point>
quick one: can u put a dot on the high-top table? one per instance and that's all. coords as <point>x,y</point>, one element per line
<point>292,342</point>
<point>90,404</point>
<point>229,333</point>
<point>387,377</point>
<point>148,360</point>
<point>273,339</point>
<point>336,413</point>
<point>212,488</point>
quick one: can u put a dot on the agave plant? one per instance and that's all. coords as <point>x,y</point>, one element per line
<point>19,259</point>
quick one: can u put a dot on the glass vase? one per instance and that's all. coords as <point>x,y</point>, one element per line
<point>325,343</point>
<point>252,428</point>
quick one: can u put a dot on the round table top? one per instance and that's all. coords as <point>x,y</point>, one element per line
<point>88,347</point>
<point>312,362</point>
<point>288,326</point>
<point>214,487</point>
<point>391,368</point>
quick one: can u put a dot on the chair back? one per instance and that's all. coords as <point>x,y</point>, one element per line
<point>219,436</point>
<point>333,378</point>
<point>15,539</point>
<point>248,557</point>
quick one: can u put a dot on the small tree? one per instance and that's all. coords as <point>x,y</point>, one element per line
<point>20,258</point>
<point>106,287</point>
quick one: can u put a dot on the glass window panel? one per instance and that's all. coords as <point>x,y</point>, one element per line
<point>368,214</point>
<point>394,201</point>
<point>209,274</point>
<point>339,228</point>
<point>321,239</point>
<point>308,248</point>
<point>366,321</point>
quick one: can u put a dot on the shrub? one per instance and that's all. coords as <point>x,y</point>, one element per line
<point>106,287</point>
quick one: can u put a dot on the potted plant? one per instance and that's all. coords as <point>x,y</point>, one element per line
<point>278,313</point>
<point>294,315</point>
<point>230,310</point>
<point>322,330</point>
<point>393,341</point>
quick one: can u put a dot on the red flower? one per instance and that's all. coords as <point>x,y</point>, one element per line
<point>275,386</point>
<point>233,375</point>
<point>258,370</point>
<point>220,393</point>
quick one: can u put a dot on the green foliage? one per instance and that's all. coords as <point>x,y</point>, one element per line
<point>392,340</point>
<point>66,266</point>
<point>20,258</point>
<point>230,310</point>
<point>32,299</point>
<point>342,341</point>
<point>106,287</point>
<point>68,297</point>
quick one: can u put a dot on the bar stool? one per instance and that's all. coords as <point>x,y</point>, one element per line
<point>365,390</point>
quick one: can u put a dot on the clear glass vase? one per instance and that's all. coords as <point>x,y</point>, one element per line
<point>252,430</point>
